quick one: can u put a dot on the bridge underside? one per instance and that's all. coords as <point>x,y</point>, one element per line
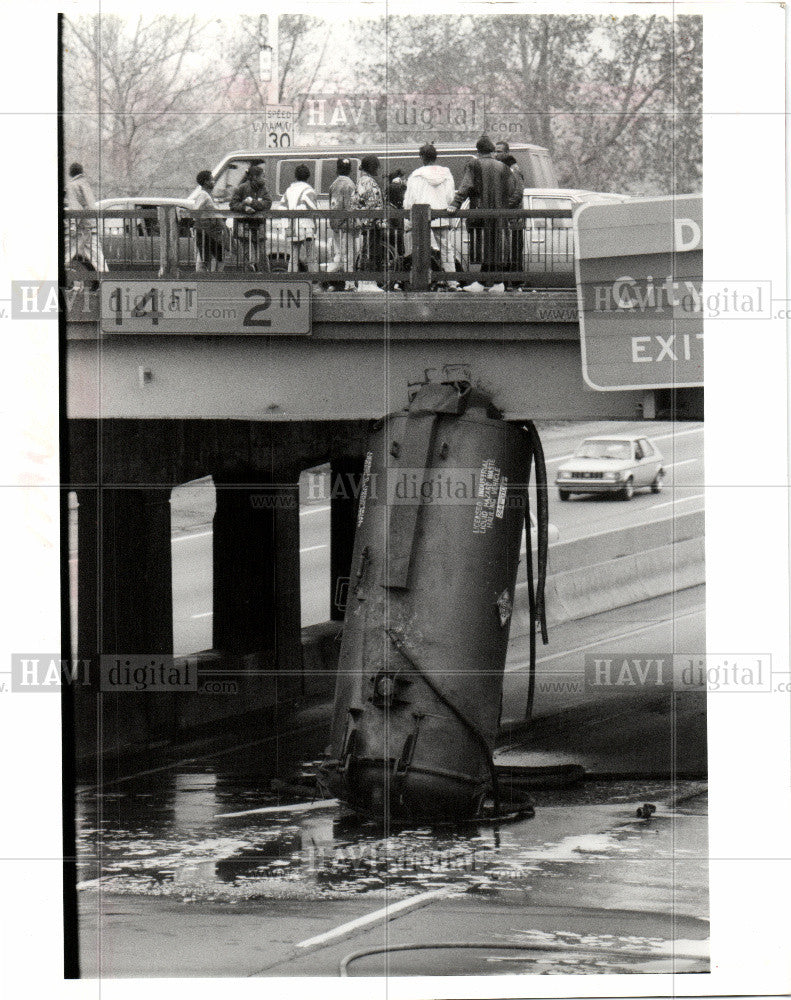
<point>147,413</point>
<point>363,350</point>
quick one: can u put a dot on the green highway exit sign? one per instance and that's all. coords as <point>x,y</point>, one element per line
<point>639,270</point>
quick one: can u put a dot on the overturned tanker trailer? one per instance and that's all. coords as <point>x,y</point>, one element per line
<point>443,505</point>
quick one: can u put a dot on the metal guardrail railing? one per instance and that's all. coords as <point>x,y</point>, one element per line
<point>418,249</point>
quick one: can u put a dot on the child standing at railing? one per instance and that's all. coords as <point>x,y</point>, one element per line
<point>300,196</point>
<point>210,231</point>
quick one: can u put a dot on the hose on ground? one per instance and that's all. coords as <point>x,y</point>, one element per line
<point>497,946</point>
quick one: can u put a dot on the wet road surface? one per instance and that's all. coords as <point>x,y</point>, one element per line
<point>168,887</point>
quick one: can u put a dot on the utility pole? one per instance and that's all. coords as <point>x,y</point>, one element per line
<point>268,61</point>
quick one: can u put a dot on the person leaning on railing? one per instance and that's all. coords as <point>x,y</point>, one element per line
<point>87,245</point>
<point>210,230</point>
<point>488,184</point>
<point>251,199</point>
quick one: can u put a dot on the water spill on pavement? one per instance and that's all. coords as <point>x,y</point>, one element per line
<point>162,837</point>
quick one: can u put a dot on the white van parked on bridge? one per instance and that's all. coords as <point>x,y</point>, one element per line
<point>279,165</point>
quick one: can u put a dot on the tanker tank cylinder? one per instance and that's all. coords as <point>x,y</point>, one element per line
<point>442,507</point>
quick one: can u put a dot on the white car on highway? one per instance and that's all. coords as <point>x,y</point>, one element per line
<point>614,464</point>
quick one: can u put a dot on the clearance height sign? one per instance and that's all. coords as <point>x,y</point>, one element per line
<point>640,293</point>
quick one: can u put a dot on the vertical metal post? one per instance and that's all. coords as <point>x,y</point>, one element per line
<point>163,220</point>
<point>273,96</point>
<point>421,247</point>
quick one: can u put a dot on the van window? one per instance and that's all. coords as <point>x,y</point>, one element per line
<point>551,203</point>
<point>525,162</point>
<point>456,163</point>
<point>390,162</point>
<point>285,173</point>
<point>329,171</point>
<point>409,162</point>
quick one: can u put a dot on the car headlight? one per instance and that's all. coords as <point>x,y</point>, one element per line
<point>564,475</point>
<point>612,476</point>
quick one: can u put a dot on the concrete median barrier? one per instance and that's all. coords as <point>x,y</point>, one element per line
<point>613,569</point>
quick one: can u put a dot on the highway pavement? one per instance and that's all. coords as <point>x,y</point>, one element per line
<point>193,506</point>
<point>680,444</point>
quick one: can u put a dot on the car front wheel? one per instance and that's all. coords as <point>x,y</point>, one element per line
<point>628,489</point>
<point>563,494</point>
<point>656,486</point>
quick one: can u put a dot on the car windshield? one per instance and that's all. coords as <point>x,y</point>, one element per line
<point>604,449</point>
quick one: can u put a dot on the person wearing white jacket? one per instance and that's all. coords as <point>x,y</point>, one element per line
<point>433,185</point>
<point>299,196</point>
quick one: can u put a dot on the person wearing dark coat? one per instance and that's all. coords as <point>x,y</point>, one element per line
<point>396,189</point>
<point>515,245</point>
<point>488,183</point>
<point>251,199</point>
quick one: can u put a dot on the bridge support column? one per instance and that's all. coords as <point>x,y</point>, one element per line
<point>124,576</point>
<point>288,606</point>
<point>137,575</point>
<point>345,481</point>
<point>87,573</point>
<point>244,578</point>
<point>256,571</point>
<point>124,602</point>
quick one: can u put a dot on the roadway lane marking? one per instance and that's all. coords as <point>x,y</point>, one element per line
<point>294,807</point>
<point>687,461</point>
<point>672,434</point>
<point>385,913</point>
<point>669,503</point>
<point>606,639</point>
<point>197,534</point>
<point>204,534</point>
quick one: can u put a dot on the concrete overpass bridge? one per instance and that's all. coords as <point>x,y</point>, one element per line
<point>153,405</point>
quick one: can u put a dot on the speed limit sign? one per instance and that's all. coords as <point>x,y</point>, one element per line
<point>279,126</point>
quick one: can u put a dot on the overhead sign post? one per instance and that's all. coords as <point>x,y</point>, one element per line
<point>257,308</point>
<point>639,269</point>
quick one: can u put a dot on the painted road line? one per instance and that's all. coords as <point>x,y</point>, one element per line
<point>672,434</point>
<point>204,534</point>
<point>197,534</point>
<point>606,639</point>
<point>294,807</point>
<point>385,913</point>
<point>669,503</point>
<point>686,461</point>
